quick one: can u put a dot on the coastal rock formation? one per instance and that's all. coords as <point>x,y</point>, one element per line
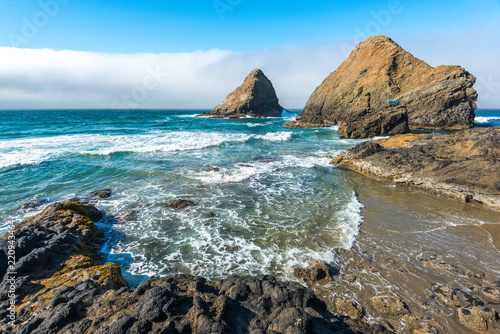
<point>317,271</point>
<point>378,71</point>
<point>476,318</point>
<point>349,307</point>
<point>55,251</point>
<point>180,204</point>
<point>463,165</point>
<point>390,306</point>
<point>62,287</point>
<point>100,194</point>
<point>255,97</point>
<point>387,121</point>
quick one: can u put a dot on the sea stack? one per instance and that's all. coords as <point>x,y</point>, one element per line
<point>255,97</point>
<point>379,71</point>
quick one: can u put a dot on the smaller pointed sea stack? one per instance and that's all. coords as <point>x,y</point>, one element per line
<point>255,97</point>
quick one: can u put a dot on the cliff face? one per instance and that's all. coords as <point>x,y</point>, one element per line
<point>464,165</point>
<point>379,70</point>
<point>256,96</point>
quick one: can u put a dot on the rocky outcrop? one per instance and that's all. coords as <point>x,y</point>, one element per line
<point>464,165</point>
<point>387,121</point>
<point>255,97</point>
<point>378,71</point>
<point>389,306</point>
<point>180,204</point>
<point>318,271</point>
<point>61,286</point>
<point>477,318</point>
<point>55,252</point>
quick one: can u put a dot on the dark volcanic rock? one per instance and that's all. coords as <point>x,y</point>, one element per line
<point>180,204</point>
<point>35,204</point>
<point>476,318</point>
<point>57,268</point>
<point>256,97</point>
<point>378,71</point>
<point>100,194</point>
<point>464,165</point>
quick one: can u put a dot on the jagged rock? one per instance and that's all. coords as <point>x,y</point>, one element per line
<point>430,163</point>
<point>129,216</point>
<point>35,204</point>
<point>446,295</point>
<point>100,194</point>
<point>210,214</point>
<point>378,71</point>
<point>180,204</point>
<point>390,306</point>
<point>58,266</point>
<point>349,308</point>
<point>387,121</point>
<point>492,294</point>
<point>255,97</point>
<point>418,325</point>
<point>476,318</point>
<point>316,271</point>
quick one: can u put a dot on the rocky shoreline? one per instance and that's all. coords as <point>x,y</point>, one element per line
<point>62,286</point>
<point>464,165</point>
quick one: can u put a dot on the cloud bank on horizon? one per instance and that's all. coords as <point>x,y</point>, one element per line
<point>44,78</point>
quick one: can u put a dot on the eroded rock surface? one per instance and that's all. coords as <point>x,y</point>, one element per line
<point>255,97</point>
<point>463,165</point>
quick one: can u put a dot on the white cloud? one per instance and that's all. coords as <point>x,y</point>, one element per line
<point>200,80</point>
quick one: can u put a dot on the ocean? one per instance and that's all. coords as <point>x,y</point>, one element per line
<point>276,199</point>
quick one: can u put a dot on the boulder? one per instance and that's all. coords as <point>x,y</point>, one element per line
<point>255,97</point>
<point>35,204</point>
<point>476,318</point>
<point>100,194</point>
<point>349,308</point>
<point>316,271</point>
<point>180,204</point>
<point>389,306</point>
<point>378,71</point>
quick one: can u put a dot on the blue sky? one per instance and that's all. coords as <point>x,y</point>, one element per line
<point>237,25</point>
<point>209,46</point>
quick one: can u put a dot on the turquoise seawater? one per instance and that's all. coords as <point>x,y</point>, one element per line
<point>275,197</point>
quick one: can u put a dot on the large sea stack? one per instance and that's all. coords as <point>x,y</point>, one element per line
<point>255,97</point>
<point>379,71</point>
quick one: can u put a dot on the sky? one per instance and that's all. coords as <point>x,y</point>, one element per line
<point>191,54</point>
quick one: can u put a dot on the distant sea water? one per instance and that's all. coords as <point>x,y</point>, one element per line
<point>276,199</point>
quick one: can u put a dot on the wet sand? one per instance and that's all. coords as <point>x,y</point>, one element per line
<point>412,244</point>
<point>494,231</point>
